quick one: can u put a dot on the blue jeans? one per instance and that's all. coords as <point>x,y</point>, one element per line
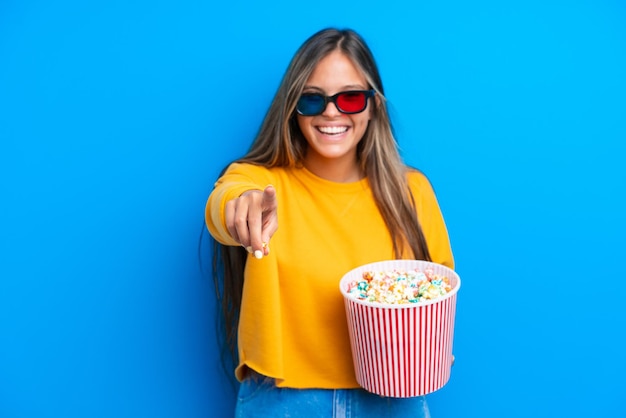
<point>259,397</point>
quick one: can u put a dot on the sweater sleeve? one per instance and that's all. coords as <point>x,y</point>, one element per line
<point>237,179</point>
<point>431,220</point>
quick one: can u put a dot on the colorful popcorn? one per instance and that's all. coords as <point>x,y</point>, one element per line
<point>399,287</point>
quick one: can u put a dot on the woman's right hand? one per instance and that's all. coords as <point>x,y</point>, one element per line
<point>251,219</point>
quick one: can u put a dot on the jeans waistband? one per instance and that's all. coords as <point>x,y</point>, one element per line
<point>256,376</point>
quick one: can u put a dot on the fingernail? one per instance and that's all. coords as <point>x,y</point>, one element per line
<point>258,254</point>
<point>249,249</point>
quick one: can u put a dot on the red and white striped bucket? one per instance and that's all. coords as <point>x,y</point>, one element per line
<point>401,350</point>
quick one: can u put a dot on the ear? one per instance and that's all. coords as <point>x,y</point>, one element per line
<point>377,105</point>
<point>378,100</point>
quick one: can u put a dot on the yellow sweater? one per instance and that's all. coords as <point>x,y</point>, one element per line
<point>292,325</point>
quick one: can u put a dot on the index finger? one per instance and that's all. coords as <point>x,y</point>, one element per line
<point>259,237</point>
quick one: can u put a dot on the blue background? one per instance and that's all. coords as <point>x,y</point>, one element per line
<point>116,117</point>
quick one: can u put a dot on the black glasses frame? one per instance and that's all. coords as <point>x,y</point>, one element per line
<point>333,99</point>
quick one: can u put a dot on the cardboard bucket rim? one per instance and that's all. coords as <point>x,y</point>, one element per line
<point>452,275</point>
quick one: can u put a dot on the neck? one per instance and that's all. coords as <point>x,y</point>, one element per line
<point>336,170</point>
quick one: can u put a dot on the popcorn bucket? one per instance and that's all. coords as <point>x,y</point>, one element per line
<point>401,350</point>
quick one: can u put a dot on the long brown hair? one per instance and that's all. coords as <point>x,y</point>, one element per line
<point>280,143</point>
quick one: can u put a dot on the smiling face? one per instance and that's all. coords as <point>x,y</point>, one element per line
<point>332,136</point>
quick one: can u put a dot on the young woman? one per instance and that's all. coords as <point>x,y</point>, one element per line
<point>321,191</point>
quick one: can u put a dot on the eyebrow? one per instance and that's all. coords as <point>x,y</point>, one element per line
<point>343,88</point>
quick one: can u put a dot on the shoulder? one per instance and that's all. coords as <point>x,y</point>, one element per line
<point>242,167</point>
<point>248,170</point>
<point>418,182</point>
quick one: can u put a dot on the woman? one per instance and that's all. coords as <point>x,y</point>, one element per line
<point>324,188</point>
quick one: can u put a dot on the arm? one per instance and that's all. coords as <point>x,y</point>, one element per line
<point>431,220</point>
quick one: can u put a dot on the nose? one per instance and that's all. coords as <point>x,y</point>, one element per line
<point>331,109</point>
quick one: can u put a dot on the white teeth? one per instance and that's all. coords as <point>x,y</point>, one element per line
<point>333,129</point>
